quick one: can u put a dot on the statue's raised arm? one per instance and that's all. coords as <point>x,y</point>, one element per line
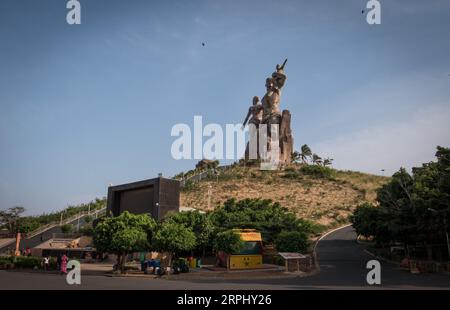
<point>279,76</point>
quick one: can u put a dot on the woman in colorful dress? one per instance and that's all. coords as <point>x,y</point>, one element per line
<point>64,260</point>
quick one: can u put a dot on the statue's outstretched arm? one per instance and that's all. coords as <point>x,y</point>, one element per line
<point>246,118</point>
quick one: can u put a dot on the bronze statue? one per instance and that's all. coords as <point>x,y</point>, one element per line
<point>271,100</point>
<point>268,113</point>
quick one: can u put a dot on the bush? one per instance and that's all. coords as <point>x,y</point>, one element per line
<point>27,261</point>
<point>317,171</point>
<point>291,173</point>
<point>66,228</point>
<point>190,186</point>
<point>88,219</point>
<point>5,260</point>
<point>291,241</point>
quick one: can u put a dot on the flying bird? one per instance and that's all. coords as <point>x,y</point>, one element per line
<point>203,43</point>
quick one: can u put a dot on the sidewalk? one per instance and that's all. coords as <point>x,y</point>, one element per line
<point>205,273</point>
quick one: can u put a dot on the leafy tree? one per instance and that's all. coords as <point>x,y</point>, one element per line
<point>10,217</point>
<point>413,209</point>
<point>365,219</point>
<point>228,241</point>
<point>173,238</point>
<point>200,224</point>
<point>291,241</point>
<point>124,234</point>
<point>305,153</point>
<point>263,215</point>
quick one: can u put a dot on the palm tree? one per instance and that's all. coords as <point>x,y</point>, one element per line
<point>316,159</point>
<point>295,156</point>
<point>327,161</point>
<point>305,153</point>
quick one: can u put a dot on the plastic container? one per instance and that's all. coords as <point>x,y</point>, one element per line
<point>193,263</point>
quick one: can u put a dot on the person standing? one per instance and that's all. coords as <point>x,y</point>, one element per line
<point>46,263</point>
<point>58,262</point>
<point>64,260</point>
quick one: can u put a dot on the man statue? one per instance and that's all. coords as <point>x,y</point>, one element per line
<point>271,100</point>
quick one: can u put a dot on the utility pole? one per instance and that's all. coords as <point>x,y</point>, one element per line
<point>60,221</point>
<point>209,196</point>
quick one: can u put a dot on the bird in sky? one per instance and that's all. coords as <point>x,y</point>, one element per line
<point>203,43</point>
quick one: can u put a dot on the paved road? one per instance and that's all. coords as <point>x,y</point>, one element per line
<point>342,263</point>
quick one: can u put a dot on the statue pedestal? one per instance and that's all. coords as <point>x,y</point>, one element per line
<point>286,138</point>
<point>286,145</point>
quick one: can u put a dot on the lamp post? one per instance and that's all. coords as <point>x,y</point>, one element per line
<point>209,196</point>
<point>445,228</point>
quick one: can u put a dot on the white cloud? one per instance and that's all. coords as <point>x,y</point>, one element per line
<point>406,143</point>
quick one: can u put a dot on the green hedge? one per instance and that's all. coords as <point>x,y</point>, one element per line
<point>317,171</point>
<point>27,261</point>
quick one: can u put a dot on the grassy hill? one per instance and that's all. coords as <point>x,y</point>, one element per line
<point>327,197</point>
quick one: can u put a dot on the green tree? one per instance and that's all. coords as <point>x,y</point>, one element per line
<point>413,209</point>
<point>10,217</point>
<point>200,224</point>
<point>124,234</point>
<point>173,238</point>
<point>263,215</point>
<point>291,241</point>
<point>365,220</point>
<point>228,241</point>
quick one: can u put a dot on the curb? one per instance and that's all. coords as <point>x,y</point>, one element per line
<point>316,261</point>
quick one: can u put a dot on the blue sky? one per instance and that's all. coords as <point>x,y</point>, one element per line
<point>87,105</point>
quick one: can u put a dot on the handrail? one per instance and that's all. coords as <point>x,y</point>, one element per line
<point>202,174</point>
<point>75,217</point>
